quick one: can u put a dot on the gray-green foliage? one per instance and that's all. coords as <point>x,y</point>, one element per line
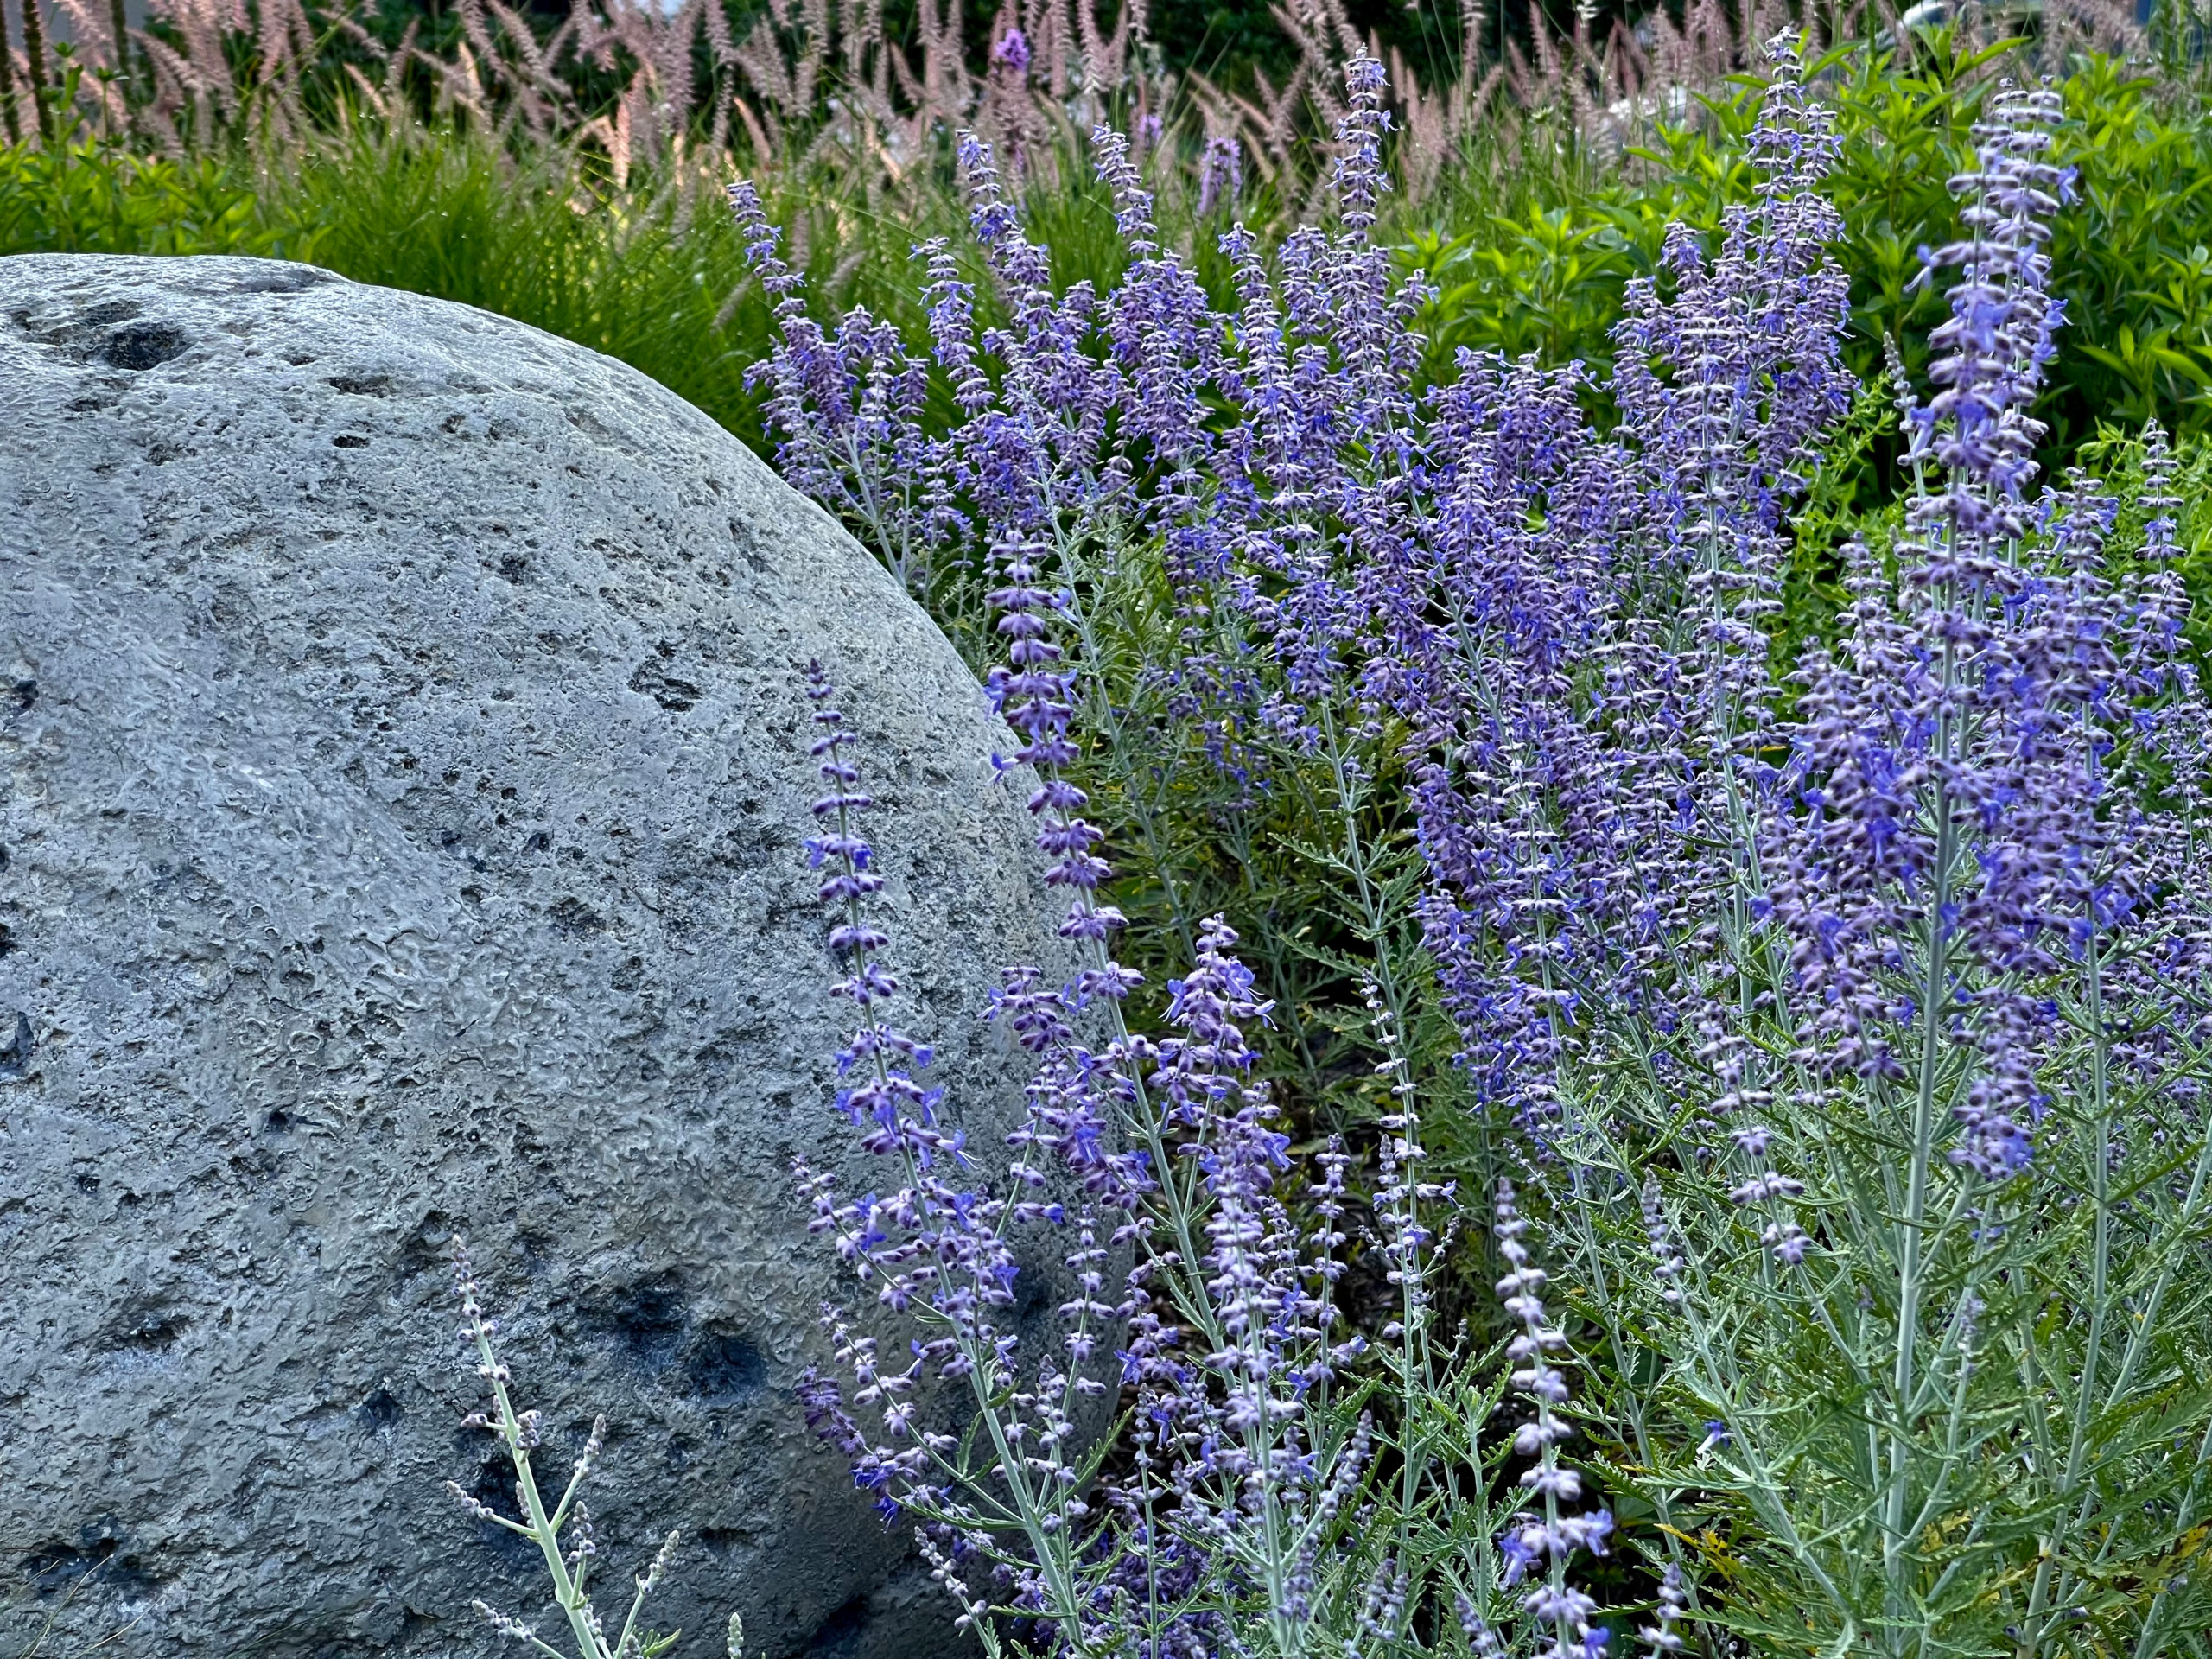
<point>560,1530</point>
<point>1895,1393</point>
<point>1876,1155</point>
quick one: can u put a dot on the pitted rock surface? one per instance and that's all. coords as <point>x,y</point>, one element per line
<point>405,778</point>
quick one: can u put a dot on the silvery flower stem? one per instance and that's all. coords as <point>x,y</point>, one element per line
<point>1934,991</point>
<point>1104,717</point>
<point>2185,1520</point>
<point>1050,1542</point>
<point>2184,1227</point>
<point>1184,1204</point>
<point>542,1530</point>
<point>1412,1357</point>
<point>2099,1148</point>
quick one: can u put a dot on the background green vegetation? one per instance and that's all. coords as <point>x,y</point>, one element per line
<point>1527,241</point>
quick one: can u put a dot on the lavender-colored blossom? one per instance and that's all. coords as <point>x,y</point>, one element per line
<point>1220,1452</point>
<point>1999,337</point>
<point>1402,1197</point>
<point>847,406</point>
<point>1543,1541</point>
<point>1720,928</point>
<point>1012,53</point>
<point>1592,720</point>
<point>1667,1257</point>
<point>1661,1637</point>
<point>932,1244</point>
<point>1970,705</point>
<point>1165,337</point>
<point>1221,173</point>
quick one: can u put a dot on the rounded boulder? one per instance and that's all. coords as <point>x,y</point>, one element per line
<point>403,744</point>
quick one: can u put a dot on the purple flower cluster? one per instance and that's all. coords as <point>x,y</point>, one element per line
<point>1221,174</point>
<point>1700,921</point>
<point>1086,434</point>
<point>1661,1637</point>
<point>1583,661</point>
<point>933,1243</point>
<point>1960,753</point>
<point>1998,336</point>
<point>849,404</point>
<point>1227,1325</point>
<point>1902,932</point>
<point>1012,53</point>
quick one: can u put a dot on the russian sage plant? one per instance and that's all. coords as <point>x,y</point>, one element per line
<point>1842,1022</point>
<point>1236,1526</point>
<point>562,1530</point>
<point>1247,1519</point>
<point>1870,1006</point>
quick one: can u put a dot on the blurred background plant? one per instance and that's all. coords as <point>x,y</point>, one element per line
<point>552,167</point>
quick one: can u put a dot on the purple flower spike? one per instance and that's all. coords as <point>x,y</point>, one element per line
<point>1998,338</point>
<point>1661,1637</point>
<point>1221,174</point>
<point>932,1244</point>
<point>1544,1541</point>
<point>848,406</point>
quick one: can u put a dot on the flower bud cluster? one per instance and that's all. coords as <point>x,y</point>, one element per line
<point>849,404</point>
